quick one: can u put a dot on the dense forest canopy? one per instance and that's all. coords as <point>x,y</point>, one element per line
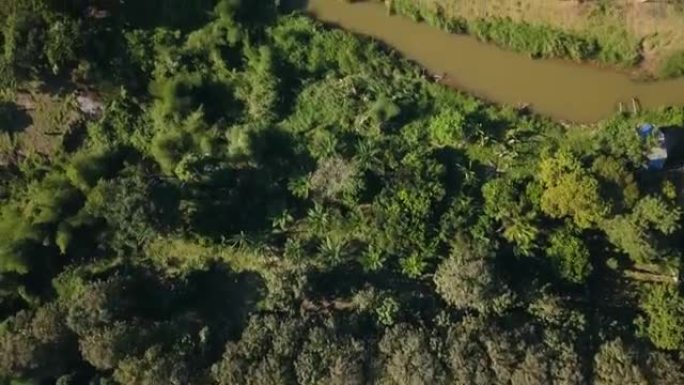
<point>226,192</point>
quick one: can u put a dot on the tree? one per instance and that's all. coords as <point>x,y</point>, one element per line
<point>637,233</point>
<point>135,207</point>
<point>18,240</point>
<point>664,311</point>
<point>260,84</point>
<point>334,177</point>
<point>29,223</point>
<point>569,255</point>
<point>36,344</point>
<point>653,212</point>
<point>485,351</point>
<point>570,191</point>
<point>37,38</point>
<point>446,129</point>
<point>615,364</point>
<point>505,202</point>
<point>328,359</point>
<point>662,369</point>
<point>158,366</point>
<point>407,359</point>
<point>618,183</point>
<point>466,280</point>
<point>89,304</point>
<point>87,168</point>
<point>106,346</point>
<point>466,357</point>
<point>264,355</point>
<point>630,238</point>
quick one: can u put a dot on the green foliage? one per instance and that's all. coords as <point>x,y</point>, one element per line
<point>264,355</point>
<point>635,233</point>
<point>155,367</point>
<point>569,256</point>
<point>407,358</point>
<point>630,238</point>
<point>60,46</point>
<point>604,43</point>
<point>570,191</point>
<point>86,168</point>
<point>35,344</point>
<point>466,280</point>
<point>191,136</point>
<point>387,311</point>
<point>664,322</point>
<point>327,359</point>
<point>37,38</point>
<point>517,214</point>
<point>664,369</point>
<point>673,66</point>
<point>105,348</point>
<point>616,136</point>
<point>478,352</point>
<point>537,40</point>
<point>446,129</point>
<point>260,91</point>
<point>657,214</point>
<point>17,241</point>
<point>385,229</point>
<point>615,363</point>
<point>29,225</point>
<point>618,183</point>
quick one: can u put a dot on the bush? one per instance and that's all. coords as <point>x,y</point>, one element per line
<point>664,323</point>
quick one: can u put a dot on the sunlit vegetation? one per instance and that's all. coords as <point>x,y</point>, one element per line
<point>265,200</point>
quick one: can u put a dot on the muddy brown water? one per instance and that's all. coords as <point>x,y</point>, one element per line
<point>560,89</point>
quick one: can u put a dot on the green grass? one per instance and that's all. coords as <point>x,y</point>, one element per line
<point>673,66</point>
<point>537,40</point>
<point>604,43</point>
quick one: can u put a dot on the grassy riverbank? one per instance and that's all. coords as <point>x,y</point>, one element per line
<point>647,38</point>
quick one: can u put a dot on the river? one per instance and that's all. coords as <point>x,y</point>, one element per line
<point>560,89</point>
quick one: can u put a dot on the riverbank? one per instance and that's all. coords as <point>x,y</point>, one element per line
<point>560,89</point>
<point>646,39</point>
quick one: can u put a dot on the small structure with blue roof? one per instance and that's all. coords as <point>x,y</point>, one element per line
<point>657,156</point>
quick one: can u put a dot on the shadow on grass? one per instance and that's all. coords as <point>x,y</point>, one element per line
<point>13,119</point>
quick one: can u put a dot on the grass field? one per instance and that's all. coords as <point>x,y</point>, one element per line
<point>647,37</point>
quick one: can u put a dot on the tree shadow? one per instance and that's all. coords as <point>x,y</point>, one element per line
<point>215,297</point>
<point>13,119</point>
<point>293,5</point>
<point>220,295</point>
<point>339,284</point>
<point>245,197</point>
<point>674,143</point>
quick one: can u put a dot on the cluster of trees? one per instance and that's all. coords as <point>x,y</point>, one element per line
<point>268,201</point>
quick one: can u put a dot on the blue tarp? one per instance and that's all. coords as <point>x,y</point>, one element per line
<point>645,130</point>
<point>656,164</point>
<point>658,154</point>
